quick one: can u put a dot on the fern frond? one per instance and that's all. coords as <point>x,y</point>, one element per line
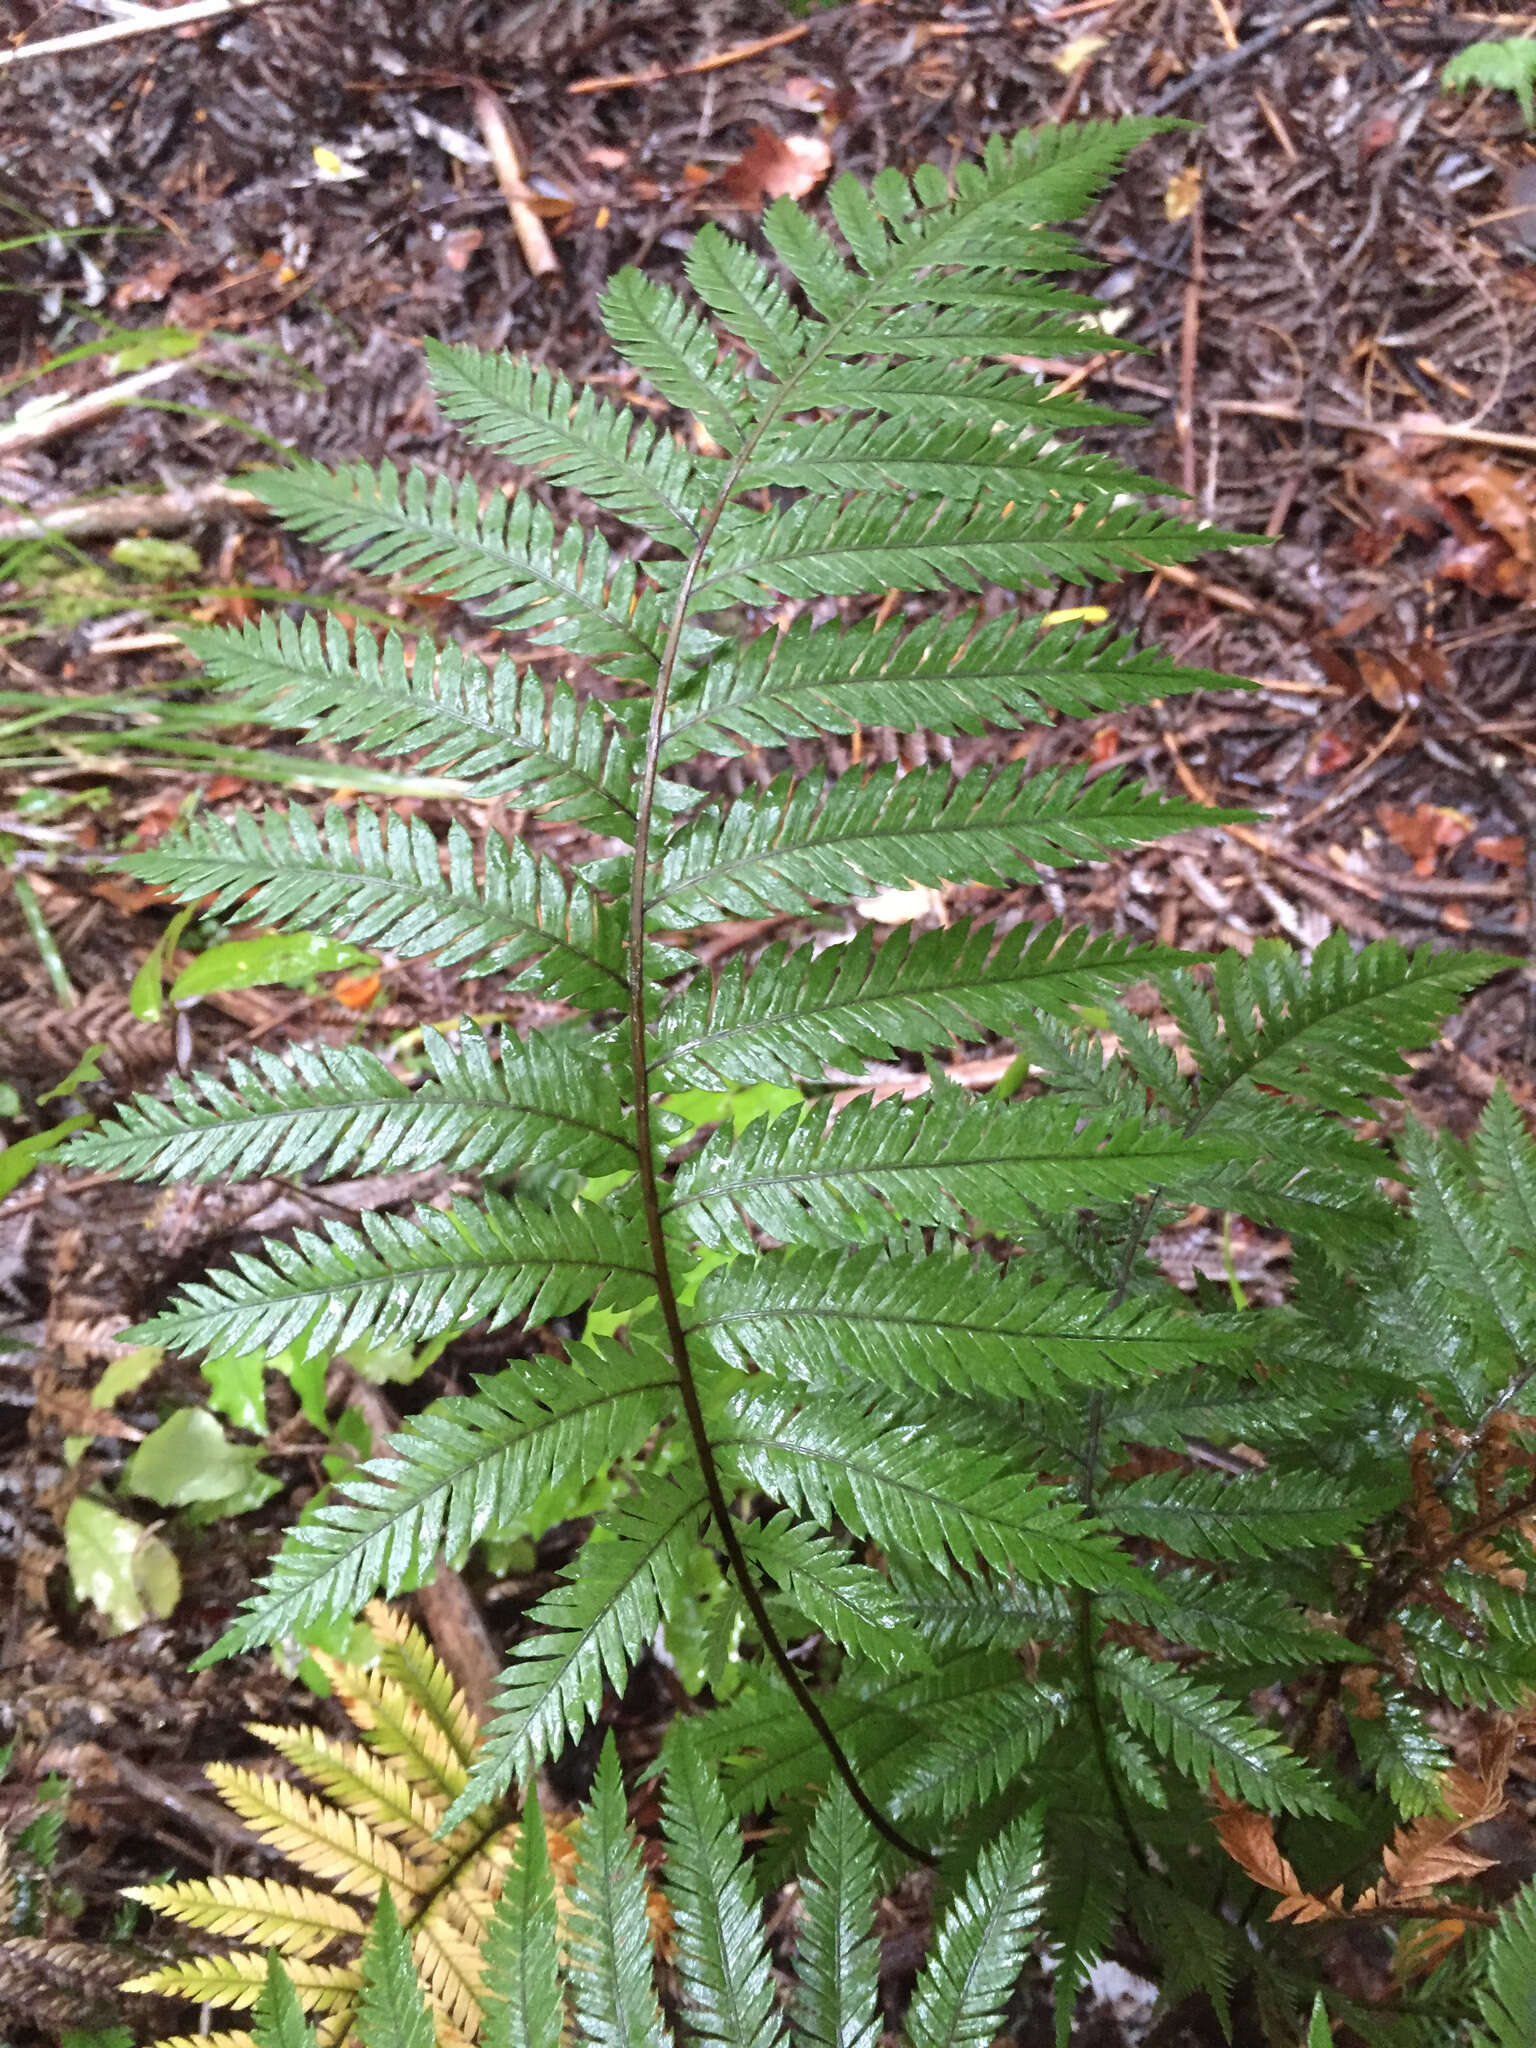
<point>465,1465</point>
<point>493,1105</point>
<point>977,1614</point>
<point>673,346</point>
<point>1331,1032</point>
<point>795,1013</point>
<point>408,1703</point>
<point>391,2013</point>
<point>794,844</point>
<point>610,1949</point>
<point>927,390</point>
<point>909,1489</point>
<point>938,675</point>
<point>500,728</point>
<point>616,457</point>
<point>1506,1165</point>
<point>506,559</point>
<point>278,2020</point>
<point>1203,1514</point>
<point>1506,2000</point>
<point>389,889</point>
<point>237,1981</point>
<point>976,1753</point>
<point>827,1181</point>
<point>288,1918</point>
<point>524,2007</point>
<point>1204,1735</point>
<point>837,1959</point>
<point>598,1622</point>
<point>822,548</point>
<point>950,460</point>
<point>1084,1892</point>
<point>1465,1251</point>
<point>934,1320</point>
<point>493,1259</point>
<point>744,294</point>
<point>323,1840</point>
<point>722,1958</point>
<point>979,1945</point>
<point>356,1778</point>
<point>850,1603</point>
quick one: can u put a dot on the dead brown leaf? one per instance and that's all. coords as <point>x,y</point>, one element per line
<point>1508,852</point>
<point>776,166</point>
<point>1249,1839</point>
<point>1425,832</point>
<point>1181,195</point>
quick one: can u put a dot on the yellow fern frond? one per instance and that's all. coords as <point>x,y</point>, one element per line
<point>413,1663</point>
<point>397,1724</point>
<point>449,1969</point>
<point>287,1917</point>
<point>236,1981</point>
<point>322,1839</point>
<point>357,1779</point>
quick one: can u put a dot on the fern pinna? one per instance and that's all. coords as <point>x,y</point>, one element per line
<point>904,1363</point>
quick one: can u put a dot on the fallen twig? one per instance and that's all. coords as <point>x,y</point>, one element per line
<point>61,412</point>
<point>656,74</point>
<point>1406,425</point>
<point>535,244</point>
<point>133,512</point>
<point>134,25</point>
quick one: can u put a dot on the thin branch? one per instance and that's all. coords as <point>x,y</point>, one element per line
<point>136,25</point>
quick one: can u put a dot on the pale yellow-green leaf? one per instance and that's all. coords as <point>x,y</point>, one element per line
<point>289,1918</point>
<point>124,1571</point>
<point>321,1839</point>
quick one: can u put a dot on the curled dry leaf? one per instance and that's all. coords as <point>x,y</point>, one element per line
<point>777,167</point>
<point>1249,1839</point>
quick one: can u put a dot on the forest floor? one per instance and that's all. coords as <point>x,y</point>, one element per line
<point>1334,295</point>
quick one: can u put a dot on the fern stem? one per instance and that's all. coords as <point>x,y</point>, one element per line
<point>651,1204</point>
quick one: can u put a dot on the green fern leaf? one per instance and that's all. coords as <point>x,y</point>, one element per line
<point>796,844</point>
<point>1506,1165</point>
<point>391,2012</point>
<point>523,2003</point>
<point>743,293</point>
<point>669,342</point>
<point>610,1947</point>
<point>630,1572</point>
<point>389,890</point>
<point>1203,1735</point>
<point>939,675</point>
<point>1331,1033</point>
<point>850,1603</point>
<point>410,1278</point>
<point>1084,1892</point>
<point>278,2019</point>
<point>835,1953</point>
<point>722,1959</point>
<point>934,1321</point>
<point>1506,2001</point>
<point>979,1945</point>
<point>507,559</point>
<point>534,416</point>
<point>910,1490</point>
<point>494,728</point>
<point>976,1754</point>
<point>467,1464</point>
<point>1202,1514</point>
<point>979,1614</point>
<point>819,548</point>
<point>795,1013</point>
<point>1465,1251</point>
<point>829,1181</point>
<point>492,1105</point>
<point>947,460</point>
